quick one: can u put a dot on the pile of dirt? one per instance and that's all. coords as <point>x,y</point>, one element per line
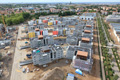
<point>54,74</point>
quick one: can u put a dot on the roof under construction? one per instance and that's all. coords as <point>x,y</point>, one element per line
<point>40,36</point>
<point>87,31</point>
<point>82,53</point>
<point>36,29</point>
<point>88,25</point>
<point>86,39</point>
<point>61,37</point>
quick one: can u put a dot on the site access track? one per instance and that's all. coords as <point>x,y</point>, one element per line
<point>19,55</point>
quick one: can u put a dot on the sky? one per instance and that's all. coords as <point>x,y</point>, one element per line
<point>35,1</point>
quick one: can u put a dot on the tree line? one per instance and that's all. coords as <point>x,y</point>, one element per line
<point>66,13</point>
<point>14,19</point>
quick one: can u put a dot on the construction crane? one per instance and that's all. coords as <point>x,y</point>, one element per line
<point>2,14</point>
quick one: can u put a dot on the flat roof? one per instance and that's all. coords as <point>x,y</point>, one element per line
<point>82,53</point>
<point>113,17</point>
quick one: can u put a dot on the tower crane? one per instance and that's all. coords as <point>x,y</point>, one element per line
<point>2,14</point>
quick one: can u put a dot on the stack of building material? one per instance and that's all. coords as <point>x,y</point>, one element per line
<point>70,76</point>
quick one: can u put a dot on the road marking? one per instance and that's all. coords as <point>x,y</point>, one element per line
<point>18,70</point>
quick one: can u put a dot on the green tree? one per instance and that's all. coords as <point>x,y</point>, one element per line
<point>0,56</point>
<point>8,21</point>
<point>115,77</point>
<point>20,19</point>
<point>26,15</point>
<point>15,21</point>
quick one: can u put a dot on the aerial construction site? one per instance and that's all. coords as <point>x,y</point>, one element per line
<point>41,40</point>
<point>56,48</point>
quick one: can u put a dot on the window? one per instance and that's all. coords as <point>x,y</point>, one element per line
<point>55,55</point>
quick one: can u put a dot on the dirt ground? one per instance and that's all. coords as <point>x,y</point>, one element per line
<point>7,60</point>
<point>94,75</point>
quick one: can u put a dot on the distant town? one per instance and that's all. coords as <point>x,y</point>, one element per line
<point>60,41</point>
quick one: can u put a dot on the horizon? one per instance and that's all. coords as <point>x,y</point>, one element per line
<point>59,1</point>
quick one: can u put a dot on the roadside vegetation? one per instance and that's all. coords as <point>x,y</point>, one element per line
<point>0,56</point>
<point>109,73</point>
<point>117,58</point>
<point>106,27</point>
<point>114,50</point>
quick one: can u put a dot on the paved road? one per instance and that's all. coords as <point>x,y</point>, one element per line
<point>19,55</point>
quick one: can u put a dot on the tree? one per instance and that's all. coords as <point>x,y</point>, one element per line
<point>20,19</point>
<point>26,15</point>
<point>67,13</point>
<point>119,10</point>
<point>72,7</point>
<point>0,56</point>
<point>8,21</point>
<point>15,21</point>
<point>115,77</point>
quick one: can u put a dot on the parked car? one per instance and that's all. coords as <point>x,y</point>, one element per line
<point>24,70</point>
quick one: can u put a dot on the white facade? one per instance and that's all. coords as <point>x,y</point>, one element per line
<point>86,17</point>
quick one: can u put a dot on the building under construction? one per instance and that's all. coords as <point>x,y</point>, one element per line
<point>48,34</point>
<point>116,30</point>
<point>113,18</point>
<point>81,57</point>
<point>41,41</point>
<point>46,54</point>
<point>88,16</point>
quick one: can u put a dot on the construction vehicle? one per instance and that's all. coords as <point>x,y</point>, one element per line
<point>28,55</point>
